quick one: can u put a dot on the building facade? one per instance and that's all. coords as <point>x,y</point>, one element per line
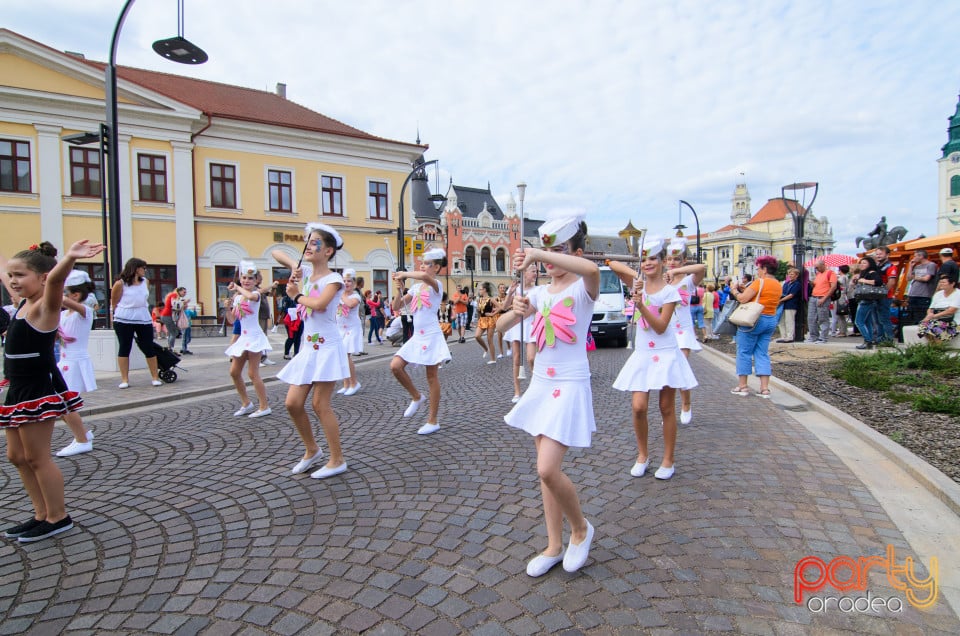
<point>209,173</point>
<point>732,250</point>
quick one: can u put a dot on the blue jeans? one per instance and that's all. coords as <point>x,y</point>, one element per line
<point>753,346</point>
<point>696,313</point>
<point>883,317</point>
<point>866,315</point>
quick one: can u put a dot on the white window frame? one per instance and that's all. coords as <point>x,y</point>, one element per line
<point>343,194</point>
<point>366,209</point>
<point>135,175</point>
<point>207,182</point>
<point>266,191</point>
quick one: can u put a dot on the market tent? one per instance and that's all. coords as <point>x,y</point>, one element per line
<point>832,260</point>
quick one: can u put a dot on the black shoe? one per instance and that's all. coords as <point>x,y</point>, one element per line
<point>185,352</point>
<point>16,531</point>
<point>46,529</point>
<point>865,345</point>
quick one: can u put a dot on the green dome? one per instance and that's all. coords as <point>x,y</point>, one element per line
<point>953,134</point>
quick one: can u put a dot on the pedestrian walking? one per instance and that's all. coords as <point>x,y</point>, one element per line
<point>76,321</point>
<point>351,329</point>
<point>753,343</point>
<point>557,408</point>
<point>251,343</point>
<point>657,363</point>
<point>428,346</point>
<point>685,278</point>
<point>132,320</point>
<point>37,394</point>
<point>322,361</point>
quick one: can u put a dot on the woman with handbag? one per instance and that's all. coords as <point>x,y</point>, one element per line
<point>760,298</point>
<point>869,290</point>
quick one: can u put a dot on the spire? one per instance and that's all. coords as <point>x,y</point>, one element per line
<point>740,210</point>
<point>953,133</point>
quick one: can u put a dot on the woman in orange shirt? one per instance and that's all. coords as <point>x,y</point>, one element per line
<point>753,344</point>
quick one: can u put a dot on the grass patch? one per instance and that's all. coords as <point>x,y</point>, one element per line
<point>927,371</point>
<point>897,436</point>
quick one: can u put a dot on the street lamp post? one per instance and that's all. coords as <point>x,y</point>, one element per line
<point>799,220</point>
<point>418,168</point>
<point>175,49</point>
<point>696,220</point>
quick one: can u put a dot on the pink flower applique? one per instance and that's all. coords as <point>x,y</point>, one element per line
<point>551,372</point>
<point>66,368</point>
<point>421,332</point>
<point>651,344</point>
<point>424,347</point>
<point>555,322</point>
<point>655,358</point>
<point>556,393</point>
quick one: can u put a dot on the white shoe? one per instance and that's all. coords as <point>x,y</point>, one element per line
<point>156,383</point>
<point>426,429</point>
<point>265,412</point>
<point>516,398</point>
<point>686,416</point>
<point>499,356</point>
<point>664,473</point>
<point>123,385</point>
<point>509,353</point>
<point>576,555</point>
<point>329,472</point>
<point>541,564</point>
<point>484,354</point>
<point>304,465</point>
<point>629,345</point>
<point>413,407</point>
<point>342,390</point>
<point>640,469</point>
<point>268,362</point>
<point>245,410</point>
<point>352,390</point>
<point>491,361</point>
<point>75,448</point>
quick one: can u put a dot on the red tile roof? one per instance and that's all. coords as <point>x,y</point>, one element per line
<point>236,102</point>
<point>776,210</point>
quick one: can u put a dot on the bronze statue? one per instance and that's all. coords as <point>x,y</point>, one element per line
<point>881,236</point>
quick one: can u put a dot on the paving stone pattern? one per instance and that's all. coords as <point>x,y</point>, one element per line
<point>190,523</point>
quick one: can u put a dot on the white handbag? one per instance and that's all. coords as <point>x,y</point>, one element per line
<point>747,314</point>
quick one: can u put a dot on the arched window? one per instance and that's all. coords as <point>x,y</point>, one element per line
<point>955,185</point>
<point>471,258</point>
<point>501,260</point>
<point>485,259</point>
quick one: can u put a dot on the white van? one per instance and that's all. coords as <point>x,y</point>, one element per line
<point>609,322</point>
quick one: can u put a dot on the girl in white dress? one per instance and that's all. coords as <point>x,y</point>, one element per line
<point>686,279</point>
<point>428,345</point>
<point>351,328</point>
<point>75,365</point>
<point>513,335</point>
<point>322,361</point>
<point>656,363</point>
<point>251,343</point>
<point>557,408</point>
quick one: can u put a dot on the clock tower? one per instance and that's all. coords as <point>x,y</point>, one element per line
<point>948,217</point>
<point>740,210</point>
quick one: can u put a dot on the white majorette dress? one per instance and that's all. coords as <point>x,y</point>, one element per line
<point>351,329</point>
<point>75,364</point>
<point>559,402</point>
<point>513,333</point>
<point>682,320</point>
<point>428,345</point>
<point>251,337</point>
<point>656,361</point>
<point>323,356</point>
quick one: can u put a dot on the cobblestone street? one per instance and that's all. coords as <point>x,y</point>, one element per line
<point>189,522</point>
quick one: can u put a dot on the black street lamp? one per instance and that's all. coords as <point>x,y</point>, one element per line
<point>696,220</point>
<point>418,172</point>
<point>799,247</point>
<point>176,49</point>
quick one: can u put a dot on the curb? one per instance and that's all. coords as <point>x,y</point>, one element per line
<point>934,481</point>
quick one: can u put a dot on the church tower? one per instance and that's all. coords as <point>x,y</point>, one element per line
<point>948,216</point>
<point>740,212</point>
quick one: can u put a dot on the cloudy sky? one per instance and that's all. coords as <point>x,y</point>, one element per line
<point>616,108</point>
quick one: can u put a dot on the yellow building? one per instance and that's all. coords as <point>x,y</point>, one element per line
<point>209,173</point>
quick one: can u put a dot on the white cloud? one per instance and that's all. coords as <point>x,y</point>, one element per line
<point>621,108</point>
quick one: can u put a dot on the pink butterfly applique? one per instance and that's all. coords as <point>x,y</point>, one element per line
<point>555,322</point>
<point>422,299</point>
<point>311,291</point>
<point>653,308</point>
<point>242,309</point>
<point>684,296</point>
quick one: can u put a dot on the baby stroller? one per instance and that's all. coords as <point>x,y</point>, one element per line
<point>167,359</point>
